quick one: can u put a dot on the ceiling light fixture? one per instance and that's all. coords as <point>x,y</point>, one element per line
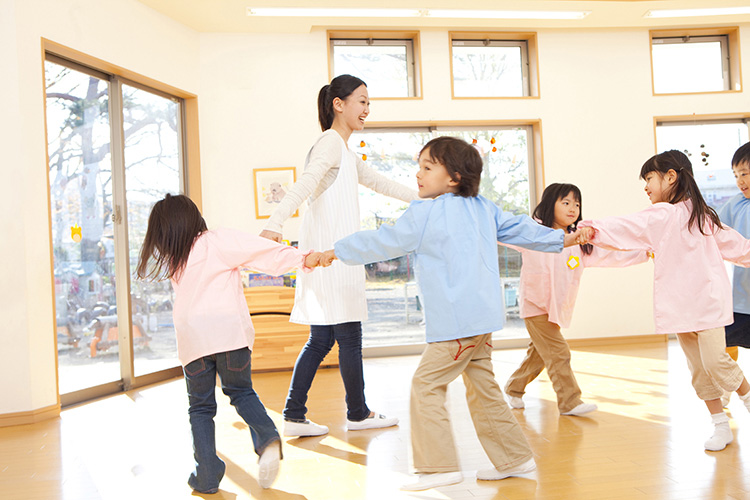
<point>720,11</point>
<point>425,13</point>
<point>506,14</point>
<point>331,12</point>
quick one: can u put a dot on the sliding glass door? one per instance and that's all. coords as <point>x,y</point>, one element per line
<point>114,149</point>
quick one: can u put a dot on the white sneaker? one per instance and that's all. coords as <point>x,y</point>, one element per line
<point>721,438</point>
<point>427,481</point>
<point>581,409</point>
<point>302,429</point>
<point>494,474</point>
<point>268,465</point>
<point>516,403</point>
<point>376,421</point>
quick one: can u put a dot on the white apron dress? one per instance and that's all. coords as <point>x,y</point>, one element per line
<point>335,294</point>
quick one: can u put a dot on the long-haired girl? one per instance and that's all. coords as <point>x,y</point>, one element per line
<point>548,289</point>
<point>692,294</point>
<point>212,324</point>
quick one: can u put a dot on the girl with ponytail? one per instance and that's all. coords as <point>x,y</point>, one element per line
<point>692,293</point>
<point>333,303</point>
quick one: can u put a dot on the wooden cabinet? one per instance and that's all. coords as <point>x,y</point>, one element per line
<point>277,341</point>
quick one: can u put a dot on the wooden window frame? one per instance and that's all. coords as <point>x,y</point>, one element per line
<point>532,47</point>
<point>413,36</point>
<point>735,61</point>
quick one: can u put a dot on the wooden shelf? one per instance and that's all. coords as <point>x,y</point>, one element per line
<point>277,341</point>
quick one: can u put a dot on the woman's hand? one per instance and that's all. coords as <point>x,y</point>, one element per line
<point>271,235</point>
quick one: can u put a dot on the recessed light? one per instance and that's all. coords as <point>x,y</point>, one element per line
<point>331,12</point>
<point>719,11</point>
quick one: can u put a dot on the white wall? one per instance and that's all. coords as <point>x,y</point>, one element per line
<point>258,110</point>
<point>257,95</point>
<point>122,32</point>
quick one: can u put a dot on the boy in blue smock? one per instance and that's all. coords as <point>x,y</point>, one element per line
<point>454,235</point>
<point>736,214</point>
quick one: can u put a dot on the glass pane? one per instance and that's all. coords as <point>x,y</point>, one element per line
<point>78,132</point>
<point>487,71</point>
<point>153,167</point>
<point>687,67</point>
<point>394,310</point>
<point>710,147</point>
<point>383,68</point>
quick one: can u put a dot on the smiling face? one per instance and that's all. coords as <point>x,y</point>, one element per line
<point>350,113</point>
<point>567,210</point>
<point>658,186</point>
<point>433,178</point>
<point>742,177</point>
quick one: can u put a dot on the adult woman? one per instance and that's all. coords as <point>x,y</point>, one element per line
<point>333,303</point>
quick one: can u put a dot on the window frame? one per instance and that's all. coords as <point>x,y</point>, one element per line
<point>731,61</point>
<point>190,180</point>
<point>408,39</point>
<point>529,57</point>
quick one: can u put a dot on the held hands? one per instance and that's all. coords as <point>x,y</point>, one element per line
<point>320,259</point>
<point>581,236</point>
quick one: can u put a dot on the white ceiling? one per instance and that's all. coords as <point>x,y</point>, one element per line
<point>229,16</point>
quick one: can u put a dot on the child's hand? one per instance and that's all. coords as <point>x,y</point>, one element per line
<point>313,259</point>
<point>272,235</point>
<point>327,258</point>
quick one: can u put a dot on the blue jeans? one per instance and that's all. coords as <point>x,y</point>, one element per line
<point>322,337</point>
<point>233,368</point>
<point>738,333</point>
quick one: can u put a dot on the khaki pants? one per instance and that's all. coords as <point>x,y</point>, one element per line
<point>547,349</point>
<point>709,363</point>
<point>432,438</point>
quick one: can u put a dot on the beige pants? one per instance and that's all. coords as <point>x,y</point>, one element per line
<point>709,363</point>
<point>431,435</point>
<point>547,349</point>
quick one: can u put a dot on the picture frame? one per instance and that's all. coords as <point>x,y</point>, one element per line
<point>271,185</point>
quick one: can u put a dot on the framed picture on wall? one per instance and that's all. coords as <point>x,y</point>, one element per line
<point>271,185</point>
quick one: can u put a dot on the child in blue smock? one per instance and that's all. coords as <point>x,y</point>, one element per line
<point>454,235</point>
<point>736,214</point>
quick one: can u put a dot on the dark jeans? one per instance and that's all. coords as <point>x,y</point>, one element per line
<point>233,368</point>
<point>738,333</point>
<point>349,338</point>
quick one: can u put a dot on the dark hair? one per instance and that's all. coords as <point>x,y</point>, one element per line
<point>173,225</point>
<point>460,159</point>
<point>742,156</point>
<point>342,87</point>
<point>545,210</point>
<point>685,188</point>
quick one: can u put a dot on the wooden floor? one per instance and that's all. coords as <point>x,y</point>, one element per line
<point>645,442</point>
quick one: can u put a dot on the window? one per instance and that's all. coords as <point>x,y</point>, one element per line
<point>710,145</point>
<point>115,147</point>
<point>695,61</point>
<point>507,179</point>
<point>385,61</point>
<point>493,65</point>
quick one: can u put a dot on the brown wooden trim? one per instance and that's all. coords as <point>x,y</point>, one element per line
<point>192,149</point>
<point>30,417</point>
<point>533,58</point>
<point>735,60</point>
<point>412,35</point>
<point>454,123</point>
<point>625,340</point>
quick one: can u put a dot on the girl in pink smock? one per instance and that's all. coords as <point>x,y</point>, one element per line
<point>692,293</point>
<point>549,285</point>
<point>212,324</point>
